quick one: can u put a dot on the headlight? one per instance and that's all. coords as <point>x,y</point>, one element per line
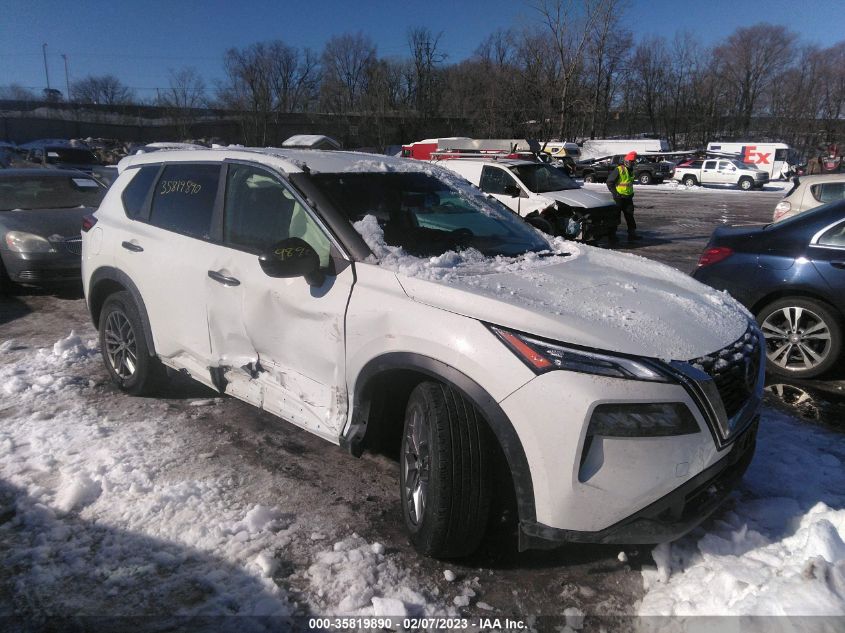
<point>542,356</point>
<point>21,242</point>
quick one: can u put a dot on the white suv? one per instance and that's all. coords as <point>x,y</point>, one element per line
<point>386,301</point>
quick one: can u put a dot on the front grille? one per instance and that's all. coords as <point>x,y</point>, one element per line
<point>734,369</point>
<point>73,245</point>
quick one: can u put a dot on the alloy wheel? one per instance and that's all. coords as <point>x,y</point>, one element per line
<point>797,338</point>
<point>417,465</point>
<point>121,347</point>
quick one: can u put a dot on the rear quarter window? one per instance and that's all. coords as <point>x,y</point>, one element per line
<point>828,191</point>
<point>183,200</point>
<point>134,196</point>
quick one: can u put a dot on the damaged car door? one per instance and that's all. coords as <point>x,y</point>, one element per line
<point>277,342</point>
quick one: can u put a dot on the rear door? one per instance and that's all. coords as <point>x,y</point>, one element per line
<point>164,251</point>
<point>278,343</point>
<point>828,254</point>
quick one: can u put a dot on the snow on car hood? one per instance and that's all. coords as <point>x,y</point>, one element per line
<point>580,197</point>
<point>574,294</point>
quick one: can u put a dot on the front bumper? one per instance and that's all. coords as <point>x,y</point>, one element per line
<point>666,519</point>
<point>42,268</point>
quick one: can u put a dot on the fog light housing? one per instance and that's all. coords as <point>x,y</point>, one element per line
<point>642,420</point>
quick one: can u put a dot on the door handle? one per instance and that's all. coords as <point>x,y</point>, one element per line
<point>223,279</point>
<point>838,263</point>
<point>135,248</point>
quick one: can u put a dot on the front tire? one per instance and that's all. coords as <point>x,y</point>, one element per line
<point>445,472</point>
<point>645,178</point>
<point>589,178</point>
<point>746,184</point>
<point>803,337</point>
<point>125,348</point>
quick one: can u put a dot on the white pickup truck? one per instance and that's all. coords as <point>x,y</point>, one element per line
<point>720,171</point>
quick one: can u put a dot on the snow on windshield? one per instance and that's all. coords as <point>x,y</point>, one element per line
<point>452,265</point>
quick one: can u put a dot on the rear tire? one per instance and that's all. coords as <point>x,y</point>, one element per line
<point>125,348</point>
<point>645,178</point>
<point>803,337</point>
<point>589,178</point>
<point>445,472</point>
<point>689,181</point>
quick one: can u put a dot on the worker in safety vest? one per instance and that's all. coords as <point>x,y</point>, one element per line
<point>620,181</point>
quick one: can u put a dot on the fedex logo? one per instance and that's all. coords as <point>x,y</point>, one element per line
<point>751,155</point>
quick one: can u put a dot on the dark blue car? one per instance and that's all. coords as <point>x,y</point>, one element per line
<point>791,275</point>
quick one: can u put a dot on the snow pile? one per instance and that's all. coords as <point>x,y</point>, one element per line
<point>357,578</point>
<point>453,265</point>
<point>779,550</point>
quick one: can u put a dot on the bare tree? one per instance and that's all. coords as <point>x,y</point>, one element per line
<point>346,63</point>
<point>16,92</point>
<point>570,24</point>
<point>186,93</point>
<point>266,79</point>
<point>103,90</point>
<point>748,62</point>
<point>426,60</point>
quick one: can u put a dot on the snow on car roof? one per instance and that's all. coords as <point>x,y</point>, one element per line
<point>290,160</point>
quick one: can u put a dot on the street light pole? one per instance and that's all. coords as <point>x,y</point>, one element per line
<point>67,80</point>
<point>46,72</point>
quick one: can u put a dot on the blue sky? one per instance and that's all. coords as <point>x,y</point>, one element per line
<point>139,41</point>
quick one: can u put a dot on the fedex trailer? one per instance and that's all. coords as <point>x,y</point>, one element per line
<point>778,159</point>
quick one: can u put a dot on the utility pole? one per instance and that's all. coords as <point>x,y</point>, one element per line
<point>46,72</point>
<point>67,79</point>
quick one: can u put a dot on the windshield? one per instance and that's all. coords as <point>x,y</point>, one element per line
<point>540,178</point>
<point>427,217</point>
<point>49,192</point>
<point>741,165</point>
<point>71,155</point>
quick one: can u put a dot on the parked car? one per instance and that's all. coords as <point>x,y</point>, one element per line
<point>646,171</point>
<point>791,275</point>
<point>720,171</point>
<point>538,190</point>
<point>383,302</point>
<point>41,213</point>
<point>63,157</point>
<point>809,192</point>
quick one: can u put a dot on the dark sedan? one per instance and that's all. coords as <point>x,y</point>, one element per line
<point>41,215</point>
<point>791,275</point>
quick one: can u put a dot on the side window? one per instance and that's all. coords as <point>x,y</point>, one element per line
<point>834,236</point>
<point>725,165</point>
<point>183,200</point>
<point>494,180</point>
<point>829,191</point>
<point>710,164</point>
<point>260,211</point>
<point>135,193</point>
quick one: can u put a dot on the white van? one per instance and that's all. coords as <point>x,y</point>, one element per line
<point>776,159</point>
<point>601,147</point>
<point>530,189</point>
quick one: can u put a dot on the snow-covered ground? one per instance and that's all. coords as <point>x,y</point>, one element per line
<point>778,549</point>
<point>105,511</point>
<point>96,500</point>
<point>670,186</point>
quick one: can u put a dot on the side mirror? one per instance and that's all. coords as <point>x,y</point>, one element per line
<point>512,191</point>
<point>293,257</point>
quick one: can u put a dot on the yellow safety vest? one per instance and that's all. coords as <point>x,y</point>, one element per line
<point>625,184</point>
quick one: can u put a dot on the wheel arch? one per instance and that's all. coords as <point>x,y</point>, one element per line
<point>104,282</point>
<point>408,369</point>
<point>798,293</point>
